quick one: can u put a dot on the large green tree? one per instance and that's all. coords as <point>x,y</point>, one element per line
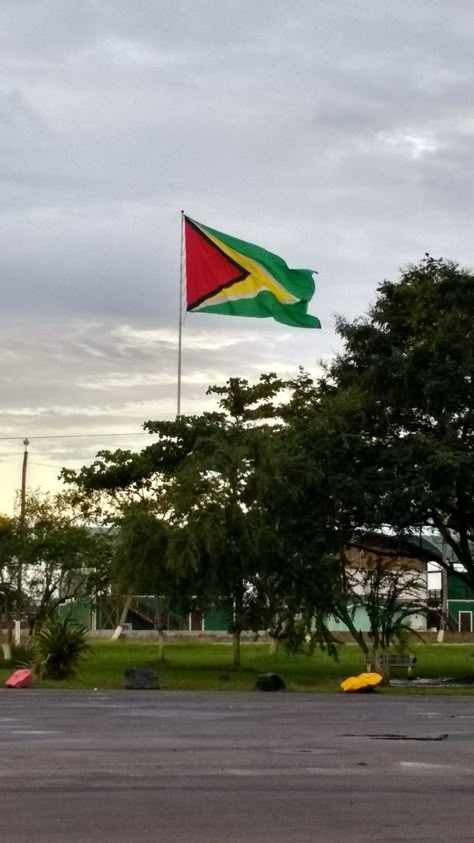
<point>55,556</point>
<point>9,569</point>
<point>269,491</point>
<point>204,478</point>
<point>321,498</point>
<point>61,556</point>
<point>234,511</point>
<point>409,365</point>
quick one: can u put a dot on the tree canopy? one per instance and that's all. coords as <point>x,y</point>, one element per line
<point>410,361</point>
<point>258,499</point>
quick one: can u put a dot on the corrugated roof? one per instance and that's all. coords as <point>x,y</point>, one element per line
<point>410,546</point>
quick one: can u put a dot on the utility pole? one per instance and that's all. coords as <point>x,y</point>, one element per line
<point>444,625</point>
<point>26,442</point>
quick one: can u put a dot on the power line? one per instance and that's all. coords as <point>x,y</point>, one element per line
<point>47,465</point>
<point>73,436</point>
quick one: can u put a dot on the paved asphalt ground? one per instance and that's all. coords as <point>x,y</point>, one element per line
<point>84,767</point>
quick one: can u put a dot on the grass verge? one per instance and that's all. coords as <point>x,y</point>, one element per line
<point>199,666</point>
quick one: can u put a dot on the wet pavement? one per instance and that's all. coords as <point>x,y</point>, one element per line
<point>83,767</point>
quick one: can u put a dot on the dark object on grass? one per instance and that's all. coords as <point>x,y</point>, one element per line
<point>141,679</point>
<point>269,682</point>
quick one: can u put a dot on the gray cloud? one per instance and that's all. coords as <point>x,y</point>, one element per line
<point>337,134</point>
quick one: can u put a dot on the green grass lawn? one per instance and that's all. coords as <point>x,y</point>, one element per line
<point>206,666</point>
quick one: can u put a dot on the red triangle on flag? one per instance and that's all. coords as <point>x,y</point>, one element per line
<point>208,268</point>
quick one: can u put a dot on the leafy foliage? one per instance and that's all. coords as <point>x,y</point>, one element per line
<point>391,594</point>
<point>204,523</point>
<point>258,500</point>
<point>411,361</point>
<point>58,648</point>
<point>61,556</point>
<point>10,555</point>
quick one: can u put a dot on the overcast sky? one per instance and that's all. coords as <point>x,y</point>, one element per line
<point>337,133</point>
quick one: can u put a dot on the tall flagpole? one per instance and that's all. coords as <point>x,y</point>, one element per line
<point>19,597</point>
<point>180,321</point>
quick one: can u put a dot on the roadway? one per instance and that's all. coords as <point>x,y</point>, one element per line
<point>84,767</point>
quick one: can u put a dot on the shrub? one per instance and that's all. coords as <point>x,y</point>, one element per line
<point>59,647</point>
<point>22,654</point>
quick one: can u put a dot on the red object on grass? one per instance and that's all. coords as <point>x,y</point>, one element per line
<point>19,679</point>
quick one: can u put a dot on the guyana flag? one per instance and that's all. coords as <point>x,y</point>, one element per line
<point>228,276</point>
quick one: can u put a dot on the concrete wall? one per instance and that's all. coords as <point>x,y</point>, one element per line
<point>175,635</point>
<point>428,637</point>
<point>362,623</point>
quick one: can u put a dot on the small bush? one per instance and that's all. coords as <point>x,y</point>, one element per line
<point>22,654</point>
<point>59,647</point>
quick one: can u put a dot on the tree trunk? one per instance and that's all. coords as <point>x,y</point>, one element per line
<point>161,635</point>
<point>274,644</point>
<point>357,635</point>
<point>379,665</point>
<point>237,624</point>
<point>161,645</point>
<point>343,613</point>
<point>7,651</point>
<point>8,641</point>
<point>123,617</point>
<point>236,648</point>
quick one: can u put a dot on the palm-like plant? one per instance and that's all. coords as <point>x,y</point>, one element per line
<point>59,647</point>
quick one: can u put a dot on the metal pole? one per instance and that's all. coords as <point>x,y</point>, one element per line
<point>180,320</point>
<point>26,442</point>
<point>444,625</point>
